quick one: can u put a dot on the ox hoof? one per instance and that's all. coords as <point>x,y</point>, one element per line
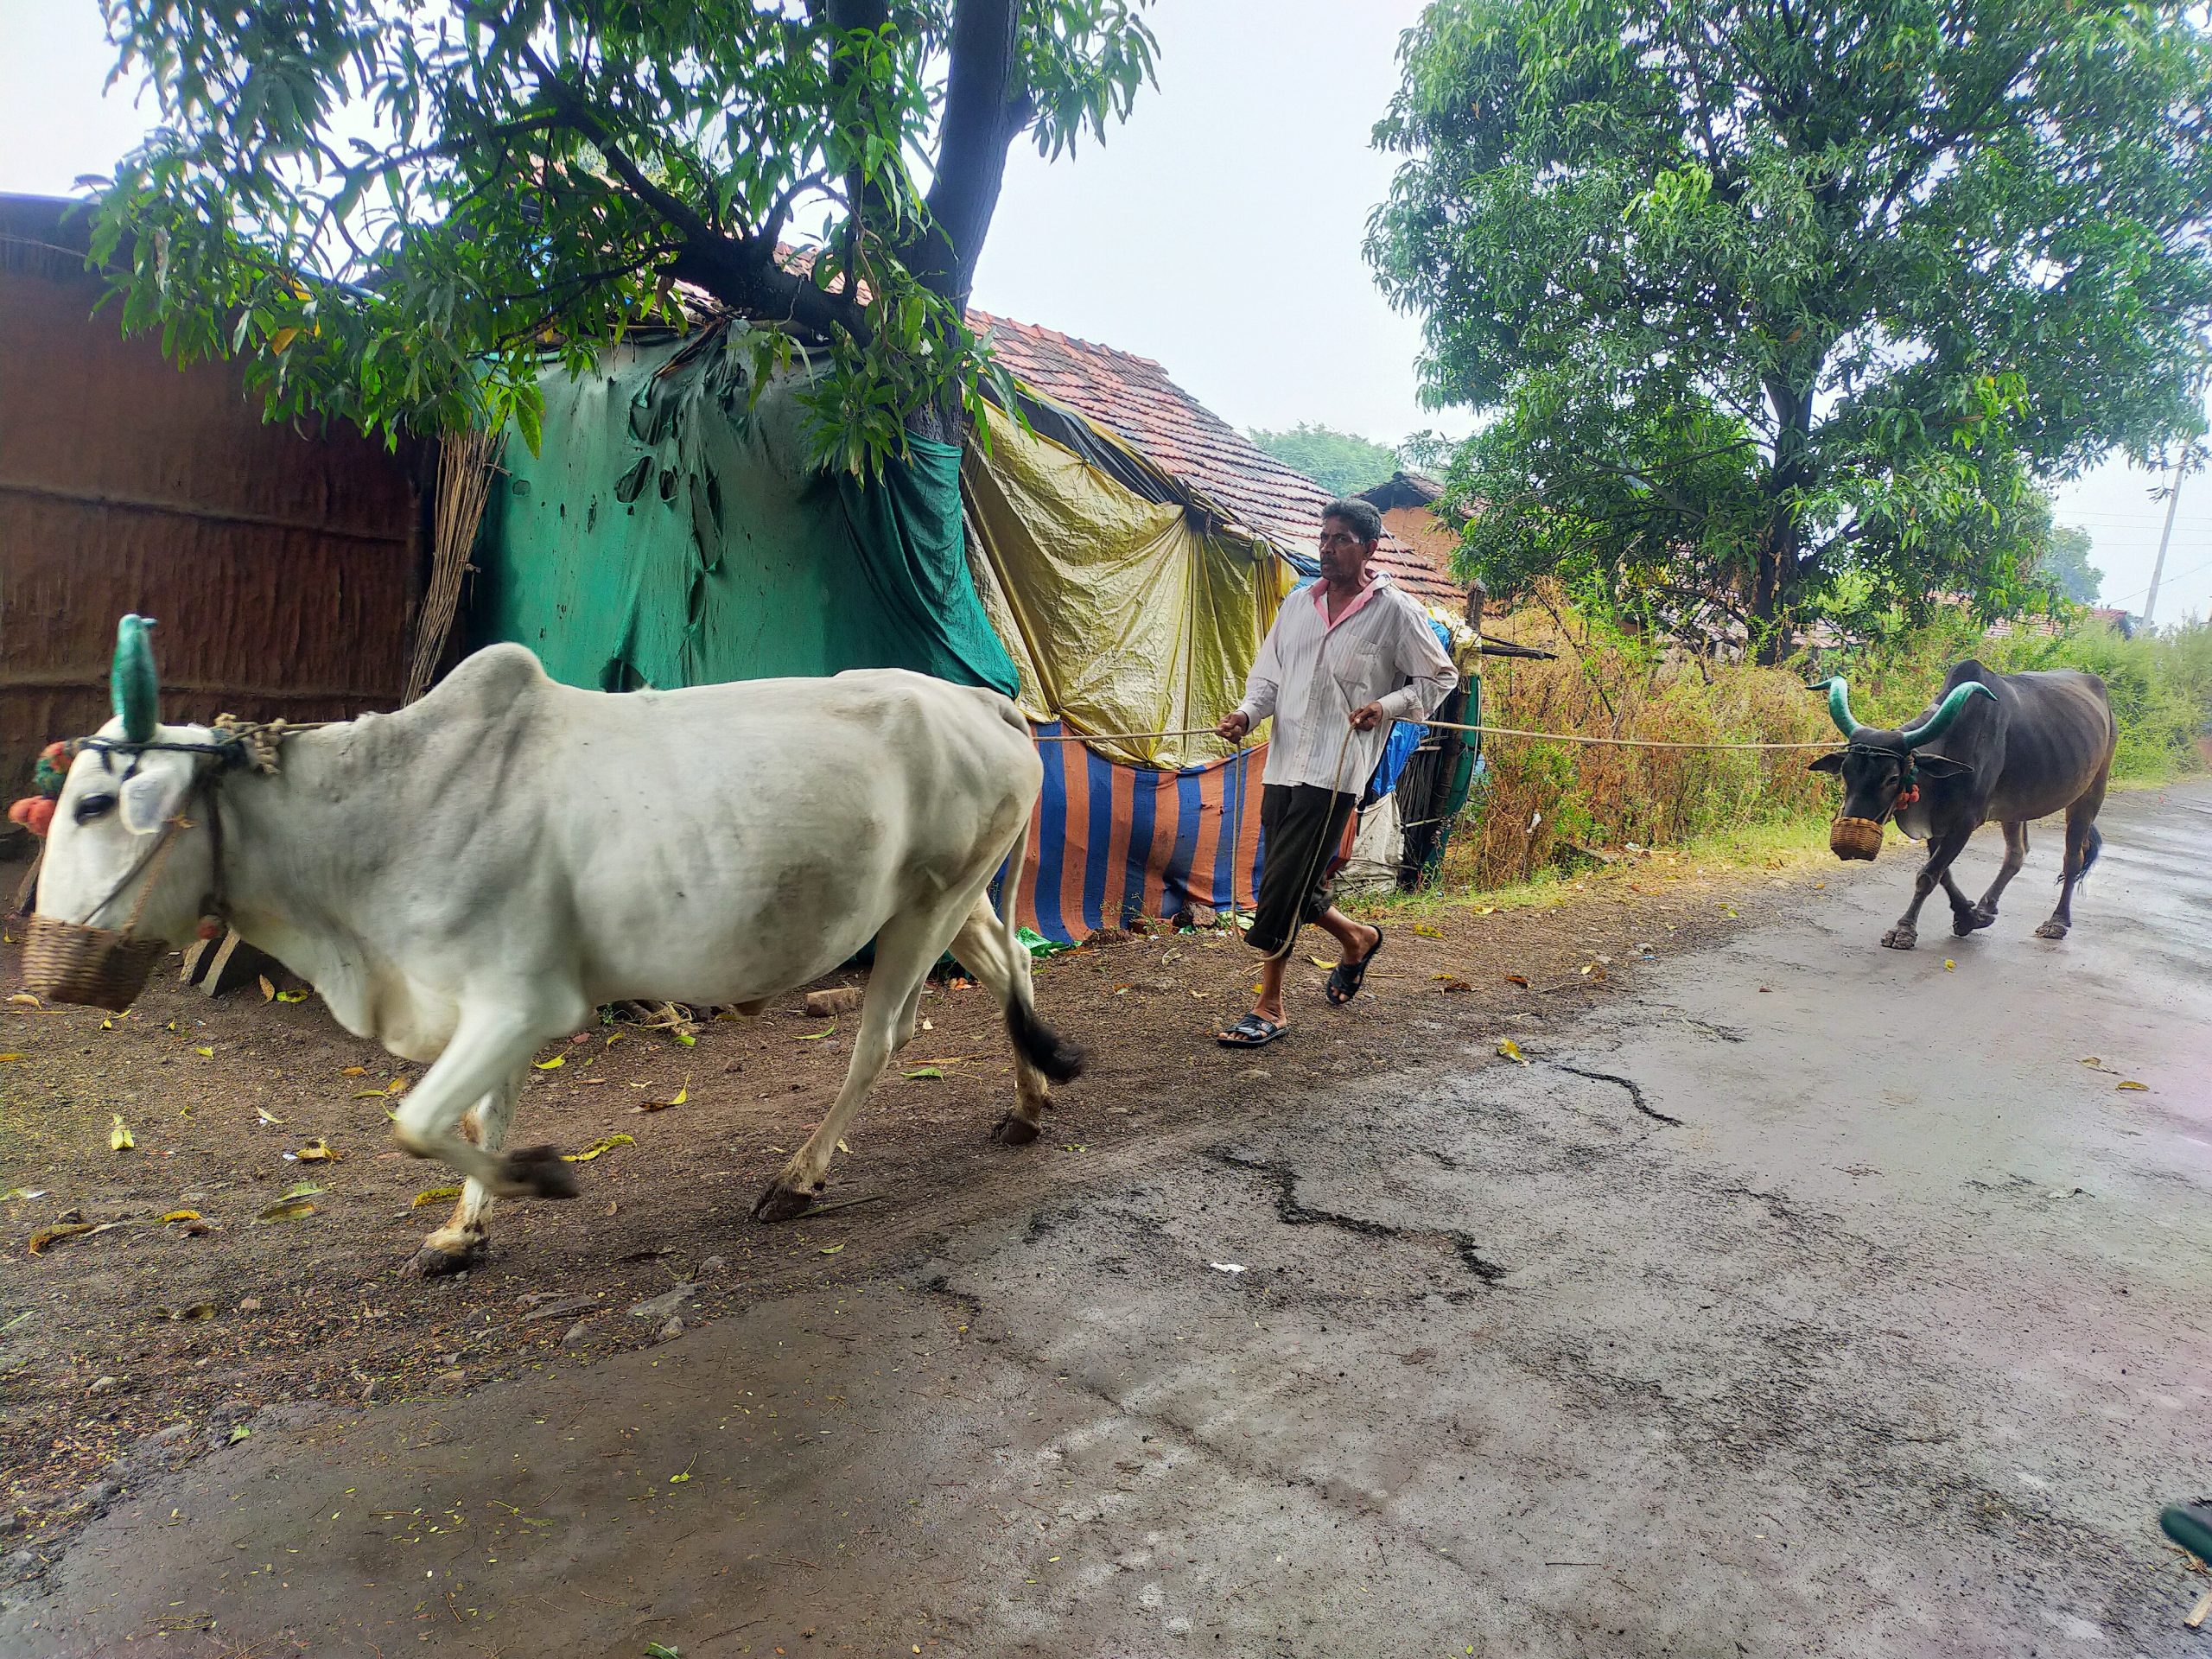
<point>2051,930</point>
<point>1013,1130</point>
<point>431,1263</point>
<point>781,1203</point>
<point>539,1172</point>
<point>1901,938</point>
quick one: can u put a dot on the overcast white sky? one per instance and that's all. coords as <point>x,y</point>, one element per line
<point>1219,233</point>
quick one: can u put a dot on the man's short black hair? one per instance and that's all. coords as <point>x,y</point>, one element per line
<point>1361,515</point>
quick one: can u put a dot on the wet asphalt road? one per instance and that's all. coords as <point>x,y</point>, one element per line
<point>1816,1299</point>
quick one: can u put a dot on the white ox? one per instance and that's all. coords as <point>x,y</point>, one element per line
<point>469,879</point>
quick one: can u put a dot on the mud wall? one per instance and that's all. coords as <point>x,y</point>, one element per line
<point>281,565</point>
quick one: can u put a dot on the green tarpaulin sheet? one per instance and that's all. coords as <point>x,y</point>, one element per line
<point>670,533</point>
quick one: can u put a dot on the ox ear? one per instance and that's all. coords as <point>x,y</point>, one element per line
<point>1938,766</point>
<point>150,799</point>
<point>1832,761</point>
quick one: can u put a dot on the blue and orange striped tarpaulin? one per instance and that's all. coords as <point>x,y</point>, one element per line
<point>1109,842</point>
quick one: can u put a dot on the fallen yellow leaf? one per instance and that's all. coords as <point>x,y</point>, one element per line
<point>678,1099</point>
<point>831,1250</point>
<point>205,1054</point>
<point>5,1058</point>
<point>27,1000</point>
<point>180,1215</point>
<point>44,1237</point>
<point>817,1036</point>
<point>268,1116</point>
<point>1511,1051</point>
<point>355,1072</point>
<point>433,1194</point>
<point>553,1065</point>
<point>2131,1083</point>
<point>318,1151</point>
<point>267,990</point>
<point>605,1143</point>
<point>292,996</point>
<point>119,1139</point>
<point>1426,932</point>
<point>286,1210</point>
<point>1949,965</point>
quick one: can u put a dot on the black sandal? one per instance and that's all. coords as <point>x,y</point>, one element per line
<point>1346,977</point>
<point>1253,1031</point>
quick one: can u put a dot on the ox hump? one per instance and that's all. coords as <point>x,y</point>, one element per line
<point>489,682</point>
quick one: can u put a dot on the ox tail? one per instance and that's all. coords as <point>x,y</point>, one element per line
<point>1035,1041</point>
<point>2090,848</point>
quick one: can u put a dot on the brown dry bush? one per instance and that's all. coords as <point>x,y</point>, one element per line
<point>1541,800</point>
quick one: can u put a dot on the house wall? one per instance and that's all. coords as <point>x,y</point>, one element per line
<point>281,568</point>
<point>1420,530</point>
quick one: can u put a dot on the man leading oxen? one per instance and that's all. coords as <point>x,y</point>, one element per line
<point>469,878</point>
<point>2014,748</point>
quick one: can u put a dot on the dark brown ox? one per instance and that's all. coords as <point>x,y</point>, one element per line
<point>2014,748</point>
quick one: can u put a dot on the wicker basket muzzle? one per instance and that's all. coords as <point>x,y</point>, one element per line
<point>68,962</point>
<point>1855,837</point>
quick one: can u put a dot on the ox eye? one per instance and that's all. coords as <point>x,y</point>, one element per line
<point>93,806</point>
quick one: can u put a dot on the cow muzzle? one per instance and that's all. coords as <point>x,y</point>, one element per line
<point>1855,837</point>
<point>98,967</point>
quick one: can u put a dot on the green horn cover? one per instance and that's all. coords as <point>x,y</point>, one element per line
<point>1940,721</point>
<point>137,691</point>
<point>1838,704</point>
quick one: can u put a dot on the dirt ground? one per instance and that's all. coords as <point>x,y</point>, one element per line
<point>109,1338</point>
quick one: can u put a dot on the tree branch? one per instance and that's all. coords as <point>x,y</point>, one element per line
<point>741,272</point>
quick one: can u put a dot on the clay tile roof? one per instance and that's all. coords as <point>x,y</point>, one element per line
<point>1133,398</point>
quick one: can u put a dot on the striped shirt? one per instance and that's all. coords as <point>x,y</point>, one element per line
<point>1312,673</point>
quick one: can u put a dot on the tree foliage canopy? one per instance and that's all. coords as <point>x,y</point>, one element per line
<point>1784,308</point>
<point>2064,565</point>
<point>395,208</point>
<point>1342,463</point>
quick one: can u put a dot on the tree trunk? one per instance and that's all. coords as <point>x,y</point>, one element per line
<point>1777,578</point>
<point>985,107</point>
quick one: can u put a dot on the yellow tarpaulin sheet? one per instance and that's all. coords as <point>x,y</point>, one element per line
<point>1121,615</point>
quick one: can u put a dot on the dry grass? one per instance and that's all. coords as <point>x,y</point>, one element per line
<point>1543,800</point>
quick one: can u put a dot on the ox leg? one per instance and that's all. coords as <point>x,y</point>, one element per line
<point>980,947</point>
<point>904,951</point>
<point>1940,852</point>
<point>488,1049</point>
<point>460,1243</point>
<point>2081,852</point>
<point>1984,912</point>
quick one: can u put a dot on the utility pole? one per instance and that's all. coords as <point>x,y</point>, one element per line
<point>2158,565</point>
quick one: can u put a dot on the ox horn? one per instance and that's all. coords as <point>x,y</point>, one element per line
<point>1940,721</point>
<point>1838,704</point>
<point>132,682</point>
